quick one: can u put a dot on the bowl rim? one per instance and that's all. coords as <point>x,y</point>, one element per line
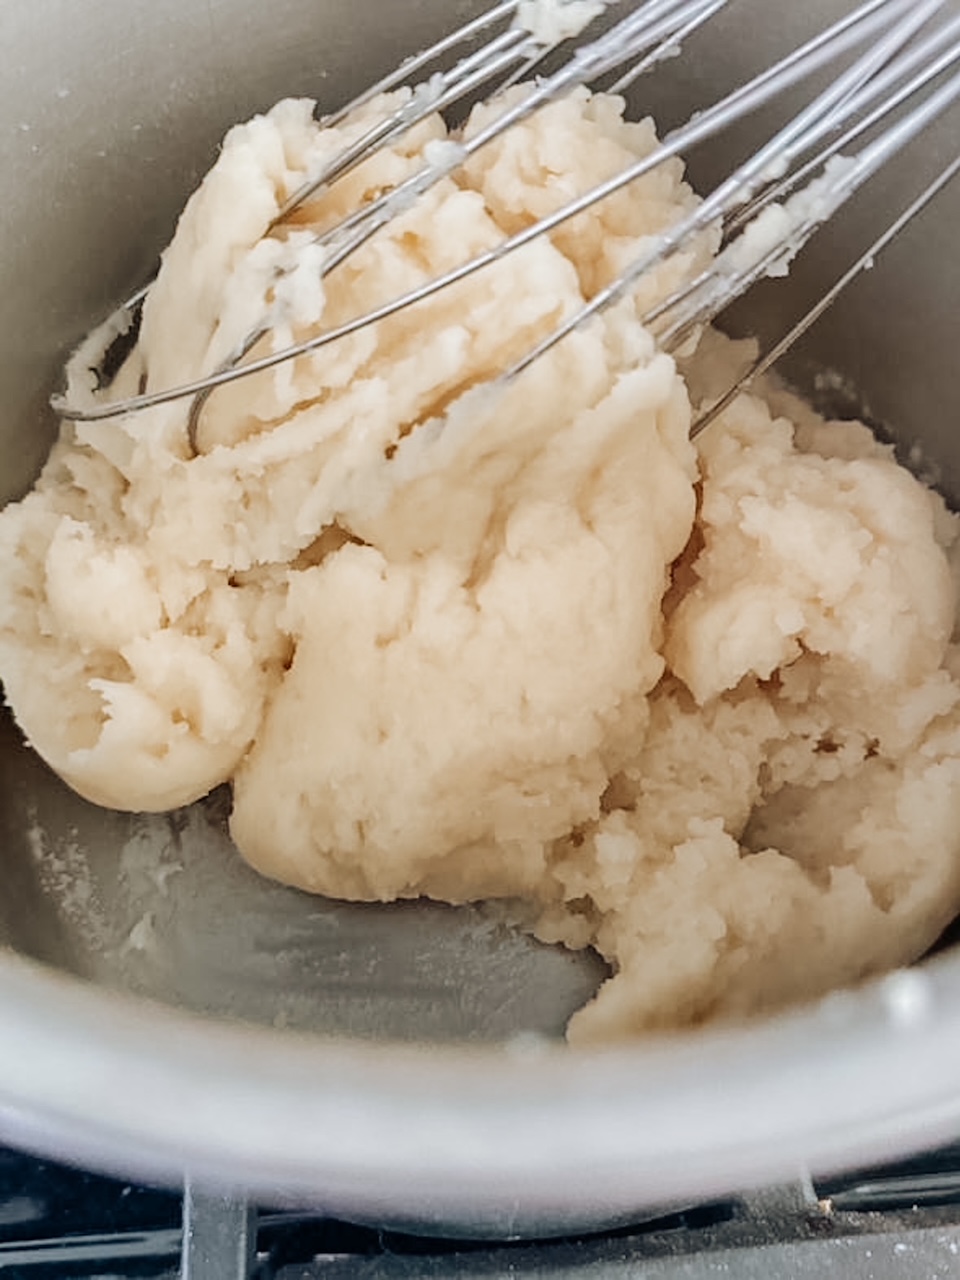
<point>527,1129</point>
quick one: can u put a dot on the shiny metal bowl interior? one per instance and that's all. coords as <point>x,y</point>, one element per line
<point>163,1010</point>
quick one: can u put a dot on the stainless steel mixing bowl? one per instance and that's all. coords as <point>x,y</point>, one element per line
<point>161,1010</point>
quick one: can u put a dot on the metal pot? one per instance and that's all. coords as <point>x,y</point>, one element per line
<point>164,1012</point>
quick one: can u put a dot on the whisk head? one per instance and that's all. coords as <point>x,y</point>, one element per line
<point>898,73</point>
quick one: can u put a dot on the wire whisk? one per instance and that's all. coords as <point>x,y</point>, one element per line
<point>897,74</point>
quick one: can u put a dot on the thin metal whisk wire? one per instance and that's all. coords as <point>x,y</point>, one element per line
<point>764,363</point>
<point>416,62</point>
<point>656,23</point>
<point>894,68</point>
<point>796,138</point>
<point>925,55</point>
<point>932,62</point>
<point>651,31</point>
<point>849,181</point>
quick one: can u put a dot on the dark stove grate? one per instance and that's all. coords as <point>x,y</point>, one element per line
<point>899,1222</point>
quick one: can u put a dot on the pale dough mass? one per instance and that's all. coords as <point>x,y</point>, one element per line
<point>697,707</point>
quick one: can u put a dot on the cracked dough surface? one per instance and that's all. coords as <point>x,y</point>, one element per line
<point>698,708</point>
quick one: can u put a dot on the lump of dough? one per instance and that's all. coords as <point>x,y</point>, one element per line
<point>790,822</point>
<point>480,638</point>
<point>479,704</point>
<point>144,615</point>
